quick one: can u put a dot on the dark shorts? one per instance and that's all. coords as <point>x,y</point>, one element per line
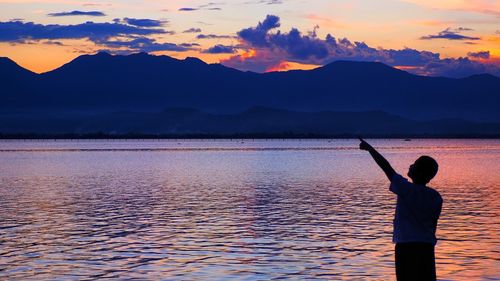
<point>415,261</point>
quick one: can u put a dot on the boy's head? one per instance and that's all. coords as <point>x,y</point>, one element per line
<point>423,170</point>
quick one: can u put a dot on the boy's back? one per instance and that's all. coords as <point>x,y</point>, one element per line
<point>417,211</point>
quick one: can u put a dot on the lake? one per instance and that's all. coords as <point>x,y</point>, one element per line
<point>235,209</point>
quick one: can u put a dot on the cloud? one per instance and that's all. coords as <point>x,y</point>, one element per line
<point>267,2</point>
<point>78,13</point>
<point>479,55</point>
<point>266,48</point>
<point>143,44</point>
<point>257,36</point>
<point>256,61</point>
<point>213,36</point>
<point>212,6</point>
<point>189,45</point>
<point>272,2</point>
<point>127,35</point>
<point>13,31</point>
<point>50,42</point>
<point>192,30</point>
<point>451,34</point>
<point>220,49</point>
<point>144,22</point>
<point>460,67</point>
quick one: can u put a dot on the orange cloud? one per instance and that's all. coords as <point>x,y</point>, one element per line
<point>248,54</point>
<point>287,65</point>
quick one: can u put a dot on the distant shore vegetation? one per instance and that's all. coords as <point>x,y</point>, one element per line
<point>261,136</point>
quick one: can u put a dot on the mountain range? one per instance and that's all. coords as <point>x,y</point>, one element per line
<point>144,93</point>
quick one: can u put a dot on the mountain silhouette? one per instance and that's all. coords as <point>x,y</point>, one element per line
<point>254,121</point>
<point>104,85</point>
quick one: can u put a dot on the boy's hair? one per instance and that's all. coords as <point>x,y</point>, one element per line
<point>428,167</point>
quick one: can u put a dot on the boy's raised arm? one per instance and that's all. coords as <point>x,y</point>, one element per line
<point>381,161</point>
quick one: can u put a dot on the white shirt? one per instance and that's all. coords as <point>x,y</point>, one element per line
<point>417,211</point>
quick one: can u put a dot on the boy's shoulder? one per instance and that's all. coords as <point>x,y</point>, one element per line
<point>399,180</point>
<point>434,193</point>
<point>401,186</point>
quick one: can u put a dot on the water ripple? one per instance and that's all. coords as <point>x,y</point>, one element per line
<point>265,214</point>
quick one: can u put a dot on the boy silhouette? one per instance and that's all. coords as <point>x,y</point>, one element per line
<point>417,212</point>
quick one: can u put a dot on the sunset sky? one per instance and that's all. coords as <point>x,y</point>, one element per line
<point>452,38</point>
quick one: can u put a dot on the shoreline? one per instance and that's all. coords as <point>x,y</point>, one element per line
<point>99,136</point>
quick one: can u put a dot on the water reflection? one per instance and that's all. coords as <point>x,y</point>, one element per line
<point>257,211</point>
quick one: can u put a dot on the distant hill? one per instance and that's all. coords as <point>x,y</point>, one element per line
<point>99,86</point>
<point>255,121</point>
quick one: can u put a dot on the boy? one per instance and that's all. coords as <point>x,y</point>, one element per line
<point>417,211</point>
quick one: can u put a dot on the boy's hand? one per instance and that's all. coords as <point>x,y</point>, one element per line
<point>381,161</point>
<point>364,145</point>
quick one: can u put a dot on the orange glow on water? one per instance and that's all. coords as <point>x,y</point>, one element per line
<point>187,212</point>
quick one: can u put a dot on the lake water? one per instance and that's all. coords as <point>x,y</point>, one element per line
<point>235,210</point>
